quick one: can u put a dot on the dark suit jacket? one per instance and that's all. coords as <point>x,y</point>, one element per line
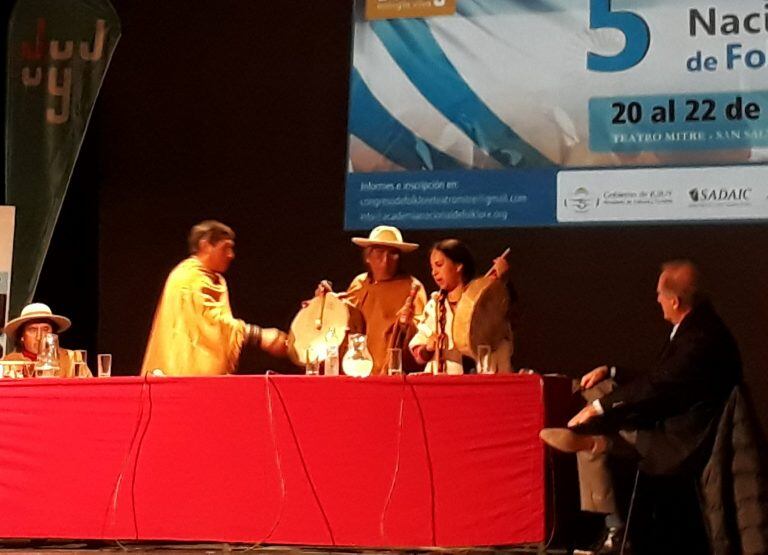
<point>674,406</point>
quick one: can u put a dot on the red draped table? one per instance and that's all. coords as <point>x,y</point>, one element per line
<point>380,462</point>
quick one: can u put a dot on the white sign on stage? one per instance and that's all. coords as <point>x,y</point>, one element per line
<point>7,217</point>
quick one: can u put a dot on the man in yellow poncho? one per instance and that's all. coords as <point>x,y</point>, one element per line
<point>194,332</point>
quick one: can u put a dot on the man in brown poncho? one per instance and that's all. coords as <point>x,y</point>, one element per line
<point>381,292</point>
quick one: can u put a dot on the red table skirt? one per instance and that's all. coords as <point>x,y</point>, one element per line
<point>421,461</point>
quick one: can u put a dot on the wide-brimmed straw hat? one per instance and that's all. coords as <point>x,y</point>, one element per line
<point>36,311</point>
<point>385,236</point>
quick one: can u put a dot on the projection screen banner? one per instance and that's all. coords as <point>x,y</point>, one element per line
<point>515,113</point>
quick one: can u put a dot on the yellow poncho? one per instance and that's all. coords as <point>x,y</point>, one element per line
<point>194,332</point>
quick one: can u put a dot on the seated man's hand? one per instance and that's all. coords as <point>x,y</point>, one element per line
<point>342,296</point>
<point>405,314</point>
<point>591,379</point>
<point>583,415</point>
<point>274,342</point>
<point>323,287</point>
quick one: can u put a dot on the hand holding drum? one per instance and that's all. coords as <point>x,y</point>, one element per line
<point>335,318</point>
<point>480,317</point>
<point>323,287</point>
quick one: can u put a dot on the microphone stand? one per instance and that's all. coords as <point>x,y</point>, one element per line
<point>442,338</point>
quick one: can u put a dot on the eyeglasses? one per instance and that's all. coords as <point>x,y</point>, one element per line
<point>379,252</point>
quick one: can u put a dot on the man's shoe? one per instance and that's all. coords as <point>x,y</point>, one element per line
<point>609,543</point>
<point>565,440</point>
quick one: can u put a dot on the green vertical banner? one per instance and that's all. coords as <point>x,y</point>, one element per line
<point>58,55</point>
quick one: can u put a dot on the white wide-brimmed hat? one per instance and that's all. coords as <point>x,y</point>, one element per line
<point>36,311</point>
<point>385,236</point>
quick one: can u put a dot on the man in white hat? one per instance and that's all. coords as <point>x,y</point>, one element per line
<point>36,320</point>
<point>381,293</point>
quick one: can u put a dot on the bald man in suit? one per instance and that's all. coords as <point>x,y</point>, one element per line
<point>664,415</point>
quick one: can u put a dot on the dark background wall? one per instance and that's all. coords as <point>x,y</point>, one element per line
<point>237,112</point>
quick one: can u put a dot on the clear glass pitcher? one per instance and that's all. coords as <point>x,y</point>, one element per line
<point>358,361</point>
<point>47,364</point>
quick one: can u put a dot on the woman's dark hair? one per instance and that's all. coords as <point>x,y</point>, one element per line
<point>458,253</point>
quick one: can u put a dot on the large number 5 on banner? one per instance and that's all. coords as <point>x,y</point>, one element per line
<point>636,34</point>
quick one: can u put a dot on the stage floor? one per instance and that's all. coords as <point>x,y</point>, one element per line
<point>24,547</point>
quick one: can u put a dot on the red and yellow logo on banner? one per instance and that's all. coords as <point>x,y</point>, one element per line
<point>391,9</point>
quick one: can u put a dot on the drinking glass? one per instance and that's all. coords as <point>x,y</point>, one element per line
<point>394,361</point>
<point>484,359</point>
<point>80,363</point>
<point>105,365</point>
<point>312,367</point>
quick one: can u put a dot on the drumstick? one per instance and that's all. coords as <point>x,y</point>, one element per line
<point>326,286</point>
<point>492,270</point>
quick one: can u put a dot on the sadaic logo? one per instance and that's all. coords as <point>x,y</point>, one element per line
<point>720,194</point>
<point>581,200</point>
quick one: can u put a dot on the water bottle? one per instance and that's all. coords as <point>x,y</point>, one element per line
<point>331,353</point>
<point>332,360</point>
